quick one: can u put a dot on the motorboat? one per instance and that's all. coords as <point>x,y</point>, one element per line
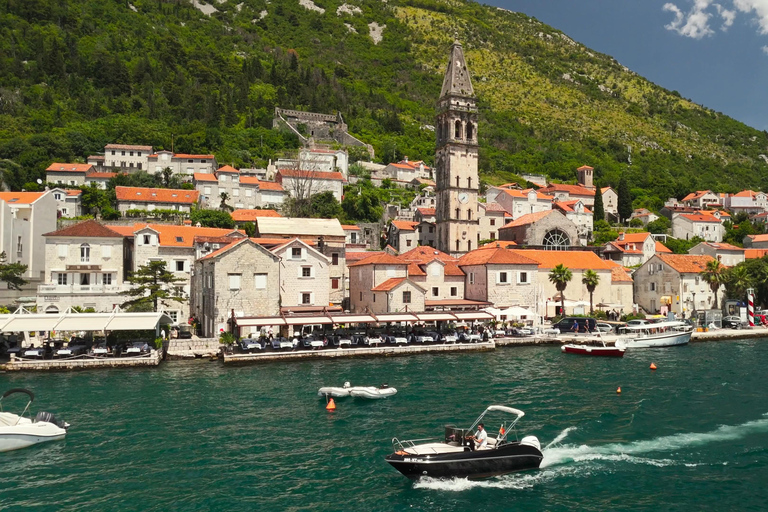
<point>19,431</point>
<point>593,350</point>
<point>455,455</point>
<point>371,392</point>
<point>654,335</point>
<point>358,391</point>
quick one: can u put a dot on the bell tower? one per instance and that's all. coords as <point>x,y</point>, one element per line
<point>456,156</point>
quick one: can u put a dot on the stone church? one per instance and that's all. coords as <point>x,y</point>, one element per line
<point>456,160</point>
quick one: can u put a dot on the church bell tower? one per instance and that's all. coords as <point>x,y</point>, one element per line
<point>456,160</point>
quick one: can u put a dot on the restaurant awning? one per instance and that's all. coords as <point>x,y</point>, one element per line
<point>22,321</point>
<point>261,321</point>
<point>435,317</point>
<point>473,315</point>
<point>352,319</point>
<point>397,317</point>
<point>308,320</point>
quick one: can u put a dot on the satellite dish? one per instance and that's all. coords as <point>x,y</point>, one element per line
<point>39,181</point>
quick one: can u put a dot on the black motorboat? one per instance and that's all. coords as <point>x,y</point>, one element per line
<point>456,456</point>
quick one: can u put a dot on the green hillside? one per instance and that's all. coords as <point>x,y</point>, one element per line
<point>76,74</point>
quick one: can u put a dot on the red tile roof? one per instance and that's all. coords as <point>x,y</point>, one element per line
<point>350,227</point>
<point>619,275</point>
<point>697,217</point>
<point>156,195</point>
<point>494,207</point>
<point>356,256</point>
<point>59,167</point>
<point>759,238</point>
<point>660,247</point>
<point>529,218</point>
<point>425,254</point>
<point>87,229</point>
<point>572,190</point>
<point>101,175</point>
<point>585,167</point>
<point>74,192</point>
<point>315,175</point>
<point>405,225</point>
<point>494,256</point>
<point>751,254</point>
<point>567,206</point>
<point>426,212</point>
<point>524,193</point>
<point>250,215</point>
<point>21,197</point>
<point>379,259</point>
<point>172,235</point>
<point>696,195</point>
<point>204,176</point>
<point>228,169</point>
<point>194,157</point>
<point>686,263</point>
<point>222,250</point>
<point>415,270</point>
<point>507,244</point>
<point>388,285</point>
<point>575,260</point>
<point>724,246</point>
<point>637,238</point>
<point>266,185</point>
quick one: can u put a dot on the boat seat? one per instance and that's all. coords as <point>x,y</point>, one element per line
<point>433,448</point>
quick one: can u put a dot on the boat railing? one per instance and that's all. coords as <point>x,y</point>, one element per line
<point>409,443</point>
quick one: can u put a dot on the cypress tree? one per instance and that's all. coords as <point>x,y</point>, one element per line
<point>625,200</point>
<point>598,211</point>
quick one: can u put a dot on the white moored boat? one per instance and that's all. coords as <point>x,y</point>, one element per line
<point>657,335</point>
<point>335,392</point>
<point>371,392</point>
<point>18,431</point>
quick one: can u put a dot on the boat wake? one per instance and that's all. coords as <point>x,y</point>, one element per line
<point>572,460</point>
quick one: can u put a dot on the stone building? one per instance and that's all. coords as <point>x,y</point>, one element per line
<point>304,184</point>
<point>519,202</point>
<point>242,277</point>
<point>727,254</point>
<point>140,198</point>
<point>499,276</point>
<point>632,249</point>
<point>456,159</point>
<point>86,265</point>
<point>181,163</point>
<point>312,126</point>
<point>380,284</point>
<point>127,157</point>
<point>305,281</point>
<point>402,235</point>
<point>67,202</point>
<point>701,199</point>
<point>549,228</point>
<point>581,216</point>
<point>673,282</point>
<point>492,216</point>
<point>437,273</point>
<point>704,225</point>
<point>72,175</point>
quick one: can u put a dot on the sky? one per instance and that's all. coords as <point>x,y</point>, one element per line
<point>712,52</point>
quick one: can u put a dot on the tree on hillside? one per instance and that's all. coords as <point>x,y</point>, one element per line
<point>153,284</point>
<point>752,273</point>
<point>659,226</point>
<point>11,273</point>
<point>560,276</point>
<point>714,275</point>
<point>598,210</point>
<point>590,279</point>
<point>211,218</point>
<point>325,206</point>
<point>625,199</point>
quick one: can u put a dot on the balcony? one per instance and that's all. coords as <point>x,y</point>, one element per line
<point>70,289</point>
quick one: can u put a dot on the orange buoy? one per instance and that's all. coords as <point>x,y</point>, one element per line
<point>653,366</point>
<point>618,390</point>
<point>331,405</point>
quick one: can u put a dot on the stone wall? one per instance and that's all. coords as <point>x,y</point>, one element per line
<point>153,359</point>
<point>193,348</point>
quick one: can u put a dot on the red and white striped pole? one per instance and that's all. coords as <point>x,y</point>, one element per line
<point>751,306</point>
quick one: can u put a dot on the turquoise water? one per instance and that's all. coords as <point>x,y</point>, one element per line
<point>197,436</point>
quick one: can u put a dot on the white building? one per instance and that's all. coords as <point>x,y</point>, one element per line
<point>72,175</point>
<point>67,202</point>
<point>500,276</point>
<point>520,202</point>
<point>747,201</point>
<point>244,192</point>
<point>701,199</point>
<point>727,254</point>
<point>580,215</point>
<point>140,198</point>
<point>305,184</point>
<point>127,157</point>
<point>304,276</point>
<point>181,163</point>
<point>706,226</point>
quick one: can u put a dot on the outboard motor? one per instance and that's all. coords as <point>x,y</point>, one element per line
<point>531,441</point>
<point>48,417</point>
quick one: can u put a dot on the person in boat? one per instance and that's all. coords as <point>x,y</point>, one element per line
<point>480,439</point>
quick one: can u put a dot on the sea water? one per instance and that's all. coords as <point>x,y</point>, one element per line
<point>691,435</point>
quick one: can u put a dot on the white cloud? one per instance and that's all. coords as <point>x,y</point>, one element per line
<point>758,9</point>
<point>727,15</point>
<point>694,23</point>
<point>765,50</point>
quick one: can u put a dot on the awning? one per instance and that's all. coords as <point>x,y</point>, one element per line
<point>397,317</point>
<point>260,321</point>
<point>308,320</point>
<point>114,321</point>
<point>435,317</point>
<point>352,319</point>
<point>473,315</point>
<point>30,322</point>
<point>136,321</point>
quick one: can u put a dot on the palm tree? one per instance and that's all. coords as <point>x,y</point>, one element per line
<point>737,281</point>
<point>591,280</point>
<point>560,276</point>
<point>715,275</point>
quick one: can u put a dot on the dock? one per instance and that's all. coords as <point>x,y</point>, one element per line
<point>82,363</point>
<point>386,350</point>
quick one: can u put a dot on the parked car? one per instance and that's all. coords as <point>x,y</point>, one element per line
<point>602,327</point>
<point>733,322</point>
<point>576,324</point>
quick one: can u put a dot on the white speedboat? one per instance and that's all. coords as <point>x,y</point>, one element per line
<point>18,431</point>
<point>657,335</point>
<point>371,392</point>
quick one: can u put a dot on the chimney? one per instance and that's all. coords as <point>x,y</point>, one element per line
<point>621,236</point>
<point>320,244</point>
<point>405,159</point>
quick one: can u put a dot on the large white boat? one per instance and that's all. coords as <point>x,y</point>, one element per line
<point>18,431</point>
<point>654,335</point>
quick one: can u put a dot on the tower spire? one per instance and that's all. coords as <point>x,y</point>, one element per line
<point>457,81</point>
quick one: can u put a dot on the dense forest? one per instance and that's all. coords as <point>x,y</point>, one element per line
<point>200,77</point>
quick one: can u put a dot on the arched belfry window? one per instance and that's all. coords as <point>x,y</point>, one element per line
<point>457,181</point>
<point>457,245</point>
<point>458,213</point>
<point>470,131</point>
<point>458,130</point>
<point>469,182</point>
<point>469,214</point>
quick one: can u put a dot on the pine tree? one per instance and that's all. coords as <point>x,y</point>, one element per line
<point>625,200</point>
<point>598,211</point>
<point>152,284</point>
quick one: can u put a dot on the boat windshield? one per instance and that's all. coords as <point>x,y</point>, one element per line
<point>660,326</point>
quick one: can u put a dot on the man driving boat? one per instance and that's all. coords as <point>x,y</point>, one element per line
<point>480,439</point>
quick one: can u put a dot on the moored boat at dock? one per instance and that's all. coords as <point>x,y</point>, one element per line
<point>655,335</point>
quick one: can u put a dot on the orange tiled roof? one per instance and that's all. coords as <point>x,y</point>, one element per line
<point>494,207</point>
<point>696,195</point>
<point>87,229</point>
<point>751,254</point>
<point>495,256</point>
<point>172,235</point>
<point>686,263</point>
<point>507,244</point>
<point>724,246</point>
<point>388,285</point>
<point>427,212</point>
<point>59,167</point>
<point>356,256</point>
<point>567,206</point>
<point>20,197</point>
<point>660,247</point>
<point>575,260</point>
<point>156,195</point>
<point>573,190</point>
<point>228,169</point>
<point>379,259</point>
<point>524,193</point>
<point>405,225</point>
<point>350,227</point>
<point>101,175</point>
<point>415,270</point>
<point>425,254</point>
<point>194,157</point>
<point>585,167</point>
<point>204,176</point>
<point>698,217</point>
<point>74,192</point>
<point>619,275</point>
<point>224,249</point>
<point>746,193</point>
<point>529,218</point>
<point>266,185</point>
<point>244,215</point>
<point>759,238</point>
